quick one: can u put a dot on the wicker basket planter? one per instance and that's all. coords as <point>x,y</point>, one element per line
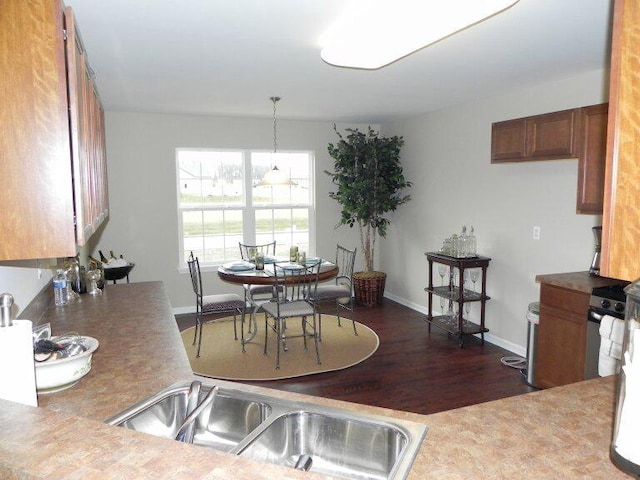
<point>369,287</point>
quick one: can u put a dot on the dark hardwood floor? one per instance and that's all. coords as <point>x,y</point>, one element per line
<point>413,369</point>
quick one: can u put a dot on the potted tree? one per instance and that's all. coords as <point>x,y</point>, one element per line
<point>370,182</point>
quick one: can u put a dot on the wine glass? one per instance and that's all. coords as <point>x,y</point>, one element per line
<point>442,270</point>
<point>94,277</point>
<point>475,274</point>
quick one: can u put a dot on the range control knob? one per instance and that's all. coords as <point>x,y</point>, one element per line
<point>619,307</point>
<point>605,303</point>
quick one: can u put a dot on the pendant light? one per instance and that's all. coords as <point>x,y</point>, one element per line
<point>275,176</point>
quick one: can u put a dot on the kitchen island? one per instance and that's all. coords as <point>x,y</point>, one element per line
<point>561,432</point>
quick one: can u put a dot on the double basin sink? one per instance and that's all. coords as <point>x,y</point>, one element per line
<point>324,440</point>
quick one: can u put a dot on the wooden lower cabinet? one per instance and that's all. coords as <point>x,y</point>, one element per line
<point>562,336</point>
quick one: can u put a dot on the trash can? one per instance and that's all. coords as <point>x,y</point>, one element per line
<point>533,317</point>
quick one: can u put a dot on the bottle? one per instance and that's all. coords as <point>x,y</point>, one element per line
<point>103,259</point>
<point>473,244</point>
<point>293,254</point>
<point>60,288</point>
<point>259,261</point>
<point>463,243</point>
<point>81,285</point>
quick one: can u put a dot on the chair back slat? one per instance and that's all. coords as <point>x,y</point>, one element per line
<point>265,249</point>
<point>196,278</point>
<point>295,284</point>
<point>345,260</point>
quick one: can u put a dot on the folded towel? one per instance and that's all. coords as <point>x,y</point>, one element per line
<point>612,328</point>
<point>610,353</point>
<point>607,365</point>
<point>610,349</point>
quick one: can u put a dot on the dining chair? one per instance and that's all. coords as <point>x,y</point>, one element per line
<point>340,291</point>
<point>295,283</point>
<point>255,295</point>
<point>212,304</point>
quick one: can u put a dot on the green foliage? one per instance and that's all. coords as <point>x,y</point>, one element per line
<point>370,181</point>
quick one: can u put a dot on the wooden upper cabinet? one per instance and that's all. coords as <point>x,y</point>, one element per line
<point>86,118</point>
<point>541,137</point>
<point>553,135</point>
<point>40,158</point>
<point>508,141</point>
<point>592,159</point>
<point>576,133</point>
<point>621,216</point>
<point>37,205</point>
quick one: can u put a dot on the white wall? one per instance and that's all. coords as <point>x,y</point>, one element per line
<point>23,280</point>
<point>143,223</point>
<point>447,156</point>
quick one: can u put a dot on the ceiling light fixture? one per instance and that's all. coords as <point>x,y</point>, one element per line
<point>374,33</point>
<point>275,176</point>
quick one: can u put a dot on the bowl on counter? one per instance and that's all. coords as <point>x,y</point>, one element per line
<point>57,374</point>
<point>117,273</point>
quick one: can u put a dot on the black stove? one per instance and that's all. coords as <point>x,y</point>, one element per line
<point>609,300</point>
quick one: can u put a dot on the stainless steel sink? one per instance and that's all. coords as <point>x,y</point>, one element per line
<point>320,439</point>
<point>229,420</point>
<point>336,445</point>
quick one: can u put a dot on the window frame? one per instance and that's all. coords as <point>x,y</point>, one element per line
<point>247,207</point>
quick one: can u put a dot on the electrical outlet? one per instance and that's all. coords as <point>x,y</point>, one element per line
<point>536,233</point>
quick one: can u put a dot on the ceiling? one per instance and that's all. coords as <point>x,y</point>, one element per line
<point>227,57</point>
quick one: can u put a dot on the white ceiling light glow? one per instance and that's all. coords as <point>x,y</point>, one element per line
<point>374,33</point>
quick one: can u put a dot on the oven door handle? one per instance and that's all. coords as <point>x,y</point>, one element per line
<point>595,316</point>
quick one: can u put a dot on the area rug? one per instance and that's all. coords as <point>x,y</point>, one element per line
<point>221,356</point>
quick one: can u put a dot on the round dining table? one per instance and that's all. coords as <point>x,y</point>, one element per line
<point>267,276</point>
<point>235,272</point>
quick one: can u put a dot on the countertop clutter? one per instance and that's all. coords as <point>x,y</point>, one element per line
<point>562,432</point>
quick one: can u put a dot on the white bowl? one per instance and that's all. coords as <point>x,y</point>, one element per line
<point>59,374</point>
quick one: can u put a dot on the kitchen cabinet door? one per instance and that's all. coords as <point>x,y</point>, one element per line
<point>621,216</point>
<point>52,136</point>
<point>86,118</point>
<point>553,135</point>
<point>562,336</point>
<point>37,204</point>
<point>508,141</point>
<point>592,159</point>
<point>549,136</point>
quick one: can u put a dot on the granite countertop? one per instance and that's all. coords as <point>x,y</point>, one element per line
<point>562,432</point>
<point>580,281</point>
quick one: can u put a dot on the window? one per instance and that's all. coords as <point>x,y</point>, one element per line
<point>222,201</point>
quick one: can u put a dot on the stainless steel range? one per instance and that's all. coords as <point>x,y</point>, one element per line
<point>608,300</point>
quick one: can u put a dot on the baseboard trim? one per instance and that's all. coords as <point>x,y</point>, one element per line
<point>183,310</point>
